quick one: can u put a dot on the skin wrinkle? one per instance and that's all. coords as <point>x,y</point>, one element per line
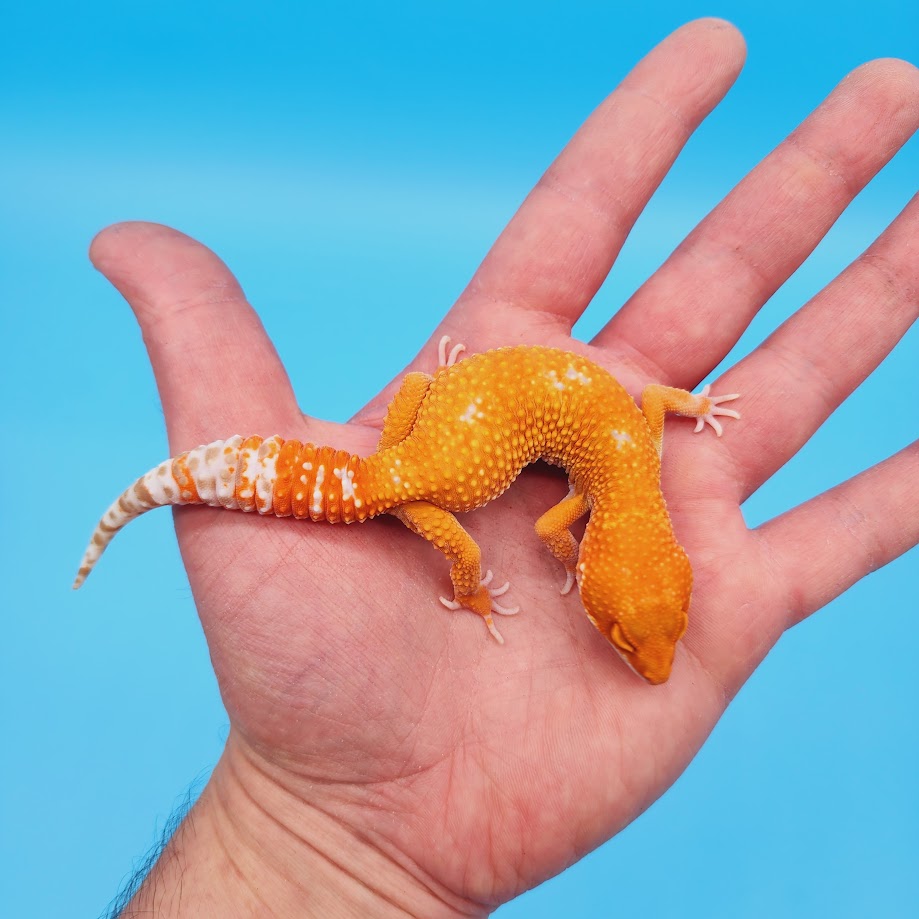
<point>472,753</point>
<point>226,813</point>
<point>717,255</point>
<point>897,281</point>
<point>363,838</point>
<point>837,168</point>
<point>180,309</point>
<point>619,219</point>
<point>806,373</point>
<point>861,529</point>
<point>685,123</point>
<point>277,822</point>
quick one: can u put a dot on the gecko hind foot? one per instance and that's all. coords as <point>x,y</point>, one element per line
<point>484,604</point>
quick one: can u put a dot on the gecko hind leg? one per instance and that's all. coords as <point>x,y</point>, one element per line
<point>470,589</point>
<point>402,412</point>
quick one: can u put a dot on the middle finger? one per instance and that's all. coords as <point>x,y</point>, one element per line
<point>689,314</point>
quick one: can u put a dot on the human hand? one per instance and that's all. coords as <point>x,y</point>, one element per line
<point>389,751</point>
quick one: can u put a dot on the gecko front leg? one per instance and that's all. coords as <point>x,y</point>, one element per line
<point>553,529</point>
<point>657,401</point>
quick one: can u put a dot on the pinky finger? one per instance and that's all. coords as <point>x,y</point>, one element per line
<point>821,548</point>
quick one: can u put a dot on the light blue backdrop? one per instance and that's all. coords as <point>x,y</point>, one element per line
<point>362,161</point>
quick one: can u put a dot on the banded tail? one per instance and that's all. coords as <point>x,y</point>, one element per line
<point>271,476</point>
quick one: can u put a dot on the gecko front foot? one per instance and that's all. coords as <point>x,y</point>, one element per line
<point>569,582</point>
<point>709,416</point>
<point>484,604</point>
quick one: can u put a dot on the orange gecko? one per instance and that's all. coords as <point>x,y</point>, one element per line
<point>456,440</point>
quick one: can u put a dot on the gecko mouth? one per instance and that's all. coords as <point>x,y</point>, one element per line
<point>652,664</point>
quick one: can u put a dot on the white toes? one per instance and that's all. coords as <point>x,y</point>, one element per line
<point>494,631</point>
<point>504,610</point>
<point>709,418</point>
<point>496,607</point>
<point>445,359</point>
<point>569,582</point>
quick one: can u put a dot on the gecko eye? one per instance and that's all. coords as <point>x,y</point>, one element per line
<point>619,639</point>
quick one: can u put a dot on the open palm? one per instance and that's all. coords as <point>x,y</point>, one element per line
<point>363,710</point>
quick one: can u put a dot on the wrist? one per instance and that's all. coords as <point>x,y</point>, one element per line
<point>253,847</point>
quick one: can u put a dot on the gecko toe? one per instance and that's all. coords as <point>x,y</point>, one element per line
<point>504,610</point>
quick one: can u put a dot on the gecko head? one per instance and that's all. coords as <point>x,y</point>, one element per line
<point>641,608</point>
<point>649,651</point>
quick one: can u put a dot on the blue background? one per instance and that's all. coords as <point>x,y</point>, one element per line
<point>363,160</point>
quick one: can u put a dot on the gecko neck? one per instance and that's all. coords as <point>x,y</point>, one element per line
<point>629,550</point>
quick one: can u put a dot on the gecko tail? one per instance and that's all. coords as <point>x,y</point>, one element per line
<point>237,473</point>
<point>285,478</point>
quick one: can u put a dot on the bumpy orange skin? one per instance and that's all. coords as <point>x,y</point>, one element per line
<point>481,422</point>
<point>458,439</point>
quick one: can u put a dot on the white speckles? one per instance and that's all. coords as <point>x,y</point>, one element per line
<point>552,377</point>
<point>303,480</point>
<point>621,437</point>
<point>358,503</point>
<point>317,489</point>
<point>574,374</point>
<point>397,480</point>
<point>308,467</point>
<point>268,474</point>
<point>472,413</point>
<point>347,483</point>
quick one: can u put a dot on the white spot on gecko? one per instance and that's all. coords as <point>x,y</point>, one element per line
<point>574,374</point>
<point>347,485</point>
<point>552,377</point>
<point>621,437</point>
<point>469,415</point>
<point>317,491</point>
